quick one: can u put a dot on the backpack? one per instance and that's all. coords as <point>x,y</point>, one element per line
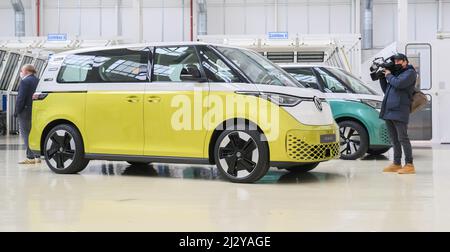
<point>418,101</point>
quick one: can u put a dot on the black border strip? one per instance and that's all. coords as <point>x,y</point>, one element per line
<point>149,159</point>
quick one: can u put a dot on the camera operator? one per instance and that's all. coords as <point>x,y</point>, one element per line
<point>398,87</point>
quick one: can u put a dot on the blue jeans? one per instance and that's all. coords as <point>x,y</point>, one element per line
<point>398,131</point>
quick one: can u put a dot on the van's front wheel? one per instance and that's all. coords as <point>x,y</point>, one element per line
<point>64,151</point>
<point>241,155</point>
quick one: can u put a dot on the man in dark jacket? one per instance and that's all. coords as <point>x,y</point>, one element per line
<point>398,88</point>
<point>27,87</point>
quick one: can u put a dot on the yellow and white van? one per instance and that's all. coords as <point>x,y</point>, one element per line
<point>179,103</point>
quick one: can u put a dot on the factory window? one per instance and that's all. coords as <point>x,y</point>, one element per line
<point>176,64</point>
<point>215,69</point>
<point>118,65</point>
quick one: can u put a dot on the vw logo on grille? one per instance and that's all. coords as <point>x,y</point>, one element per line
<point>318,103</point>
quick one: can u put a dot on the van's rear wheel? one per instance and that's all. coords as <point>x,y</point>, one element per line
<point>64,150</point>
<point>241,155</point>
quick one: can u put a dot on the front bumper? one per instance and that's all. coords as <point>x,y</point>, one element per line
<point>307,146</point>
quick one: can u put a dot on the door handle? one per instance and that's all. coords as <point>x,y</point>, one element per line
<point>132,99</point>
<point>153,99</point>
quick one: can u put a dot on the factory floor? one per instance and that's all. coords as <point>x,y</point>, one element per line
<point>336,196</point>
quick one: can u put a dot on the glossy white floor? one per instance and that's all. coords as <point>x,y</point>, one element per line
<point>336,196</point>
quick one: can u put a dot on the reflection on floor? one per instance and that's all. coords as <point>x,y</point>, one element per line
<point>336,196</point>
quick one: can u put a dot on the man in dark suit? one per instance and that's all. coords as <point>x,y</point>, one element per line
<point>27,87</point>
<point>398,88</point>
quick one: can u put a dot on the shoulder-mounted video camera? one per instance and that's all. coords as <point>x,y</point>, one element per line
<point>379,65</point>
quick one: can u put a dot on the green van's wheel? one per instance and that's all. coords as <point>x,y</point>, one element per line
<point>354,140</point>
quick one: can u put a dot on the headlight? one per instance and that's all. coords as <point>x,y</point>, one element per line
<point>279,99</point>
<point>372,103</point>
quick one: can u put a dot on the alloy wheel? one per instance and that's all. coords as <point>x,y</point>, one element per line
<point>238,154</point>
<point>350,140</point>
<point>60,149</point>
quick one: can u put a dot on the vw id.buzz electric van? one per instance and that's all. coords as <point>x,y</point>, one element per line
<point>355,106</point>
<point>179,103</point>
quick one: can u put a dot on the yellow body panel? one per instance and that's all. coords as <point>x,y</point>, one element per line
<point>161,139</point>
<point>114,123</point>
<point>57,106</point>
<point>116,126</point>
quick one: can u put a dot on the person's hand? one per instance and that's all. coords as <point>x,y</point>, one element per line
<point>386,72</point>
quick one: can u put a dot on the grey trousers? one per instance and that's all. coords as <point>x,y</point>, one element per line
<point>24,129</point>
<point>398,131</point>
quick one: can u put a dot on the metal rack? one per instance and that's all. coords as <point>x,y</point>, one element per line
<point>16,52</point>
<point>12,61</point>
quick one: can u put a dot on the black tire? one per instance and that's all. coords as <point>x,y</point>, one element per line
<point>235,156</point>
<point>378,151</point>
<point>64,151</point>
<point>301,168</point>
<point>354,140</point>
<point>138,163</point>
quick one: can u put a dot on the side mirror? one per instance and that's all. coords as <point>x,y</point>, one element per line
<point>191,73</point>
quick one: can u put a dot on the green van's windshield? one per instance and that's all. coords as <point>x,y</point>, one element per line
<point>257,68</point>
<point>356,85</point>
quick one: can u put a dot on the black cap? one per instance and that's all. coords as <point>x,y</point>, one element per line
<point>400,56</point>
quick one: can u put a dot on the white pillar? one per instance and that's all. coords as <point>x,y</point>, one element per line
<point>33,16</point>
<point>195,19</point>
<point>440,18</point>
<point>137,6</point>
<point>118,18</point>
<point>42,18</point>
<point>356,16</point>
<point>402,23</point>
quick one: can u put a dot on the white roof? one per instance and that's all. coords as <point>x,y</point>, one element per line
<point>183,43</point>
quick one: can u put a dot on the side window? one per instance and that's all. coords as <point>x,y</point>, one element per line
<point>74,69</point>
<point>215,69</point>
<point>305,76</point>
<point>176,64</point>
<point>123,65</point>
<point>331,84</point>
<point>117,65</point>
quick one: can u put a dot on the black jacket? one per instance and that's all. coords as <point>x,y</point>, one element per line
<point>398,90</point>
<point>24,101</point>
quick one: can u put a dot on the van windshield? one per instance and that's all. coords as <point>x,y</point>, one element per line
<point>257,68</point>
<point>356,85</point>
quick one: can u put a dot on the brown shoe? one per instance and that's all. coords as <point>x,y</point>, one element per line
<point>28,161</point>
<point>392,168</point>
<point>37,160</point>
<point>407,169</point>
